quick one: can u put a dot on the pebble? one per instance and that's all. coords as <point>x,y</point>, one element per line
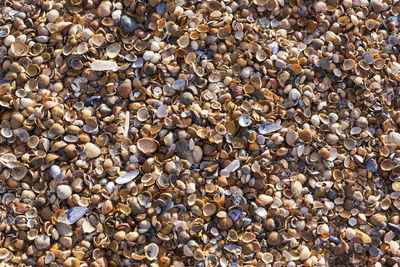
<point>128,23</point>
<point>274,239</point>
<point>124,89</point>
<point>187,98</point>
<point>52,15</point>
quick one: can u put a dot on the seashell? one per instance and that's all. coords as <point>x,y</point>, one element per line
<point>348,64</point>
<point>30,85</point>
<point>267,257</point>
<point>387,165</point>
<point>19,49</point>
<point>64,191</point>
<point>371,165</point>
<point>379,63</point>
<point>143,114</point>
<point>4,253</point>
<point>92,150</point>
<point>42,242</point>
<point>151,251</point>
<point>163,181</point>
<point>64,229</point>
<point>232,236</point>
<point>82,48</point>
<point>98,40</point>
<point>350,143</point>
<point>370,24</point>
<point>113,50</point>
<point>76,63</point>
<point>37,49</point>
<point>234,249</point>
<point>75,213</point>
<point>104,65</point>
<point>244,120</point>
<point>107,207</point>
<point>291,137</point>
<point>385,203</point>
<point>124,209</point>
<point>19,172</point>
<point>267,128</point>
<point>224,32</point>
<point>5,30</point>
<point>248,237</point>
<point>274,239</point>
<point>144,198</point>
<point>183,41</point>
<point>146,145</point>
<point>338,175</point>
<point>4,88</point>
<point>6,132</point>
<point>202,28</point>
<point>32,234</point>
<point>9,160</point>
<point>211,261</point>
<point>209,209</point>
<point>56,130</point>
<point>32,70</point>
<point>126,178</point>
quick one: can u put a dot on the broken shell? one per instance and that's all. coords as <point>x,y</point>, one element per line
<point>75,213</point>
<point>151,251</point>
<point>19,49</point>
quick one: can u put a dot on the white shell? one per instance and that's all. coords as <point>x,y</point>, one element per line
<point>268,127</point>
<point>126,178</point>
<point>103,65</point>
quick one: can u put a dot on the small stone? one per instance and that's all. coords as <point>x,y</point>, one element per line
<point>52,15</point>
<point>66,241</point>
<point>43,81</point>
<point>161,9</point>
<point>129,24</point>
<point>124,89</point>
<point>104,9</point>
<point>274,239</point>
<point>187,99</point>
<point>332,139</point>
